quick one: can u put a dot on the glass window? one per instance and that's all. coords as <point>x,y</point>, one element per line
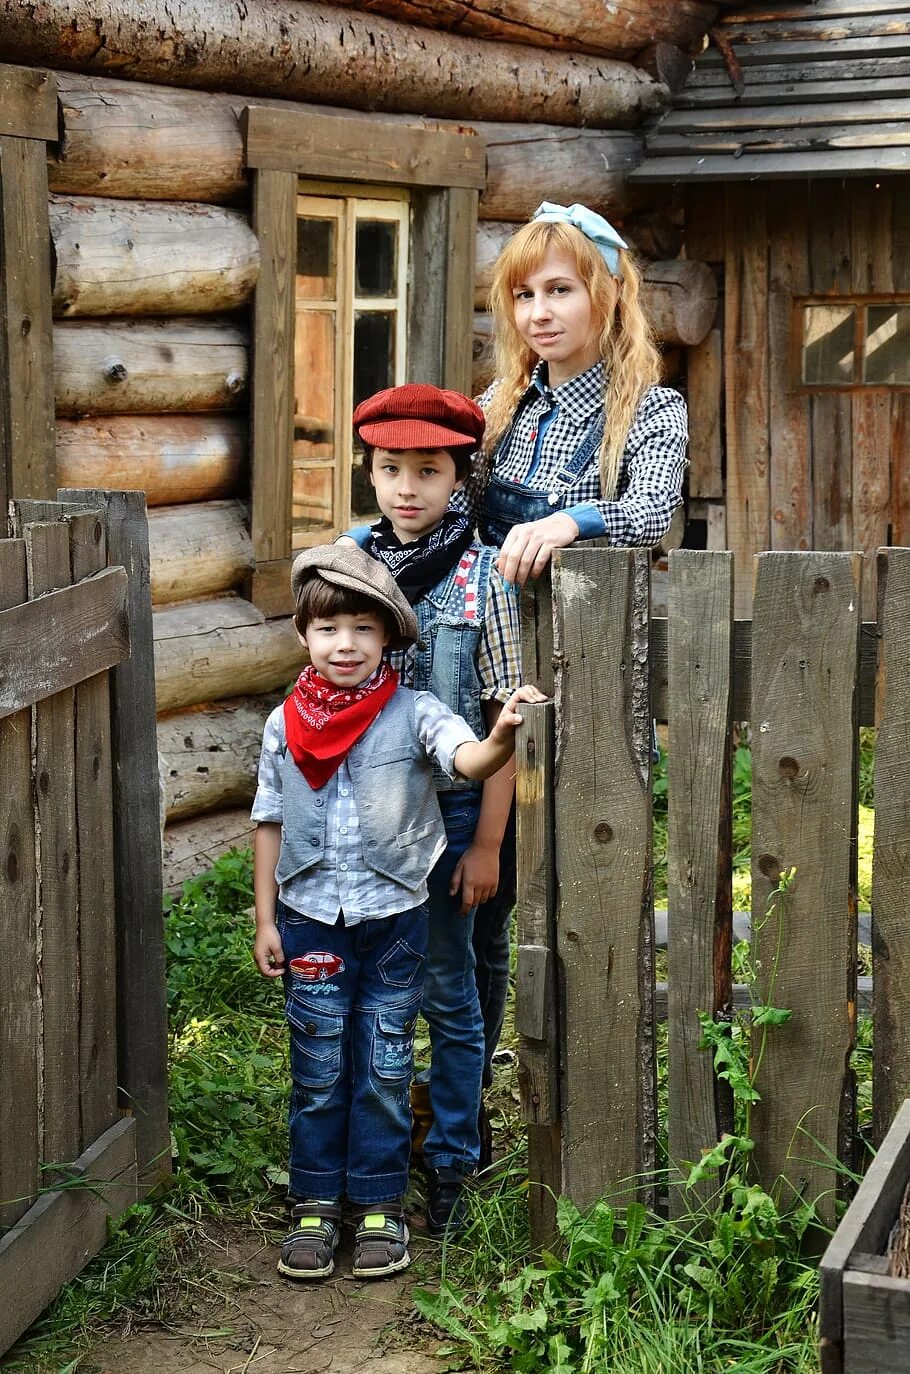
<point>886,356</point>
<point>828,337</point>
<point>349,341</point>
<point>375,258</point>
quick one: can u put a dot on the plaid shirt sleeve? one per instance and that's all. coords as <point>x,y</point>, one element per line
<point>268,804</point>
<point>499,651</point>
<point>651,476</point>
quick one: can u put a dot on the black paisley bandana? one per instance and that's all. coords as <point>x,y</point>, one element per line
<point>418,566</point>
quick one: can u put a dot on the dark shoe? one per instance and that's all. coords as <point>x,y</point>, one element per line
<point>380,1241</point>
<point>308,1251</point>
<point>447,1205</point>
<point>485,1131</point>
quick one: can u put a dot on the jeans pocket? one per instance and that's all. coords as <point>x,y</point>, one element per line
<point>393,1046</point>
<point>316,1040</point>
<point>400,965</point>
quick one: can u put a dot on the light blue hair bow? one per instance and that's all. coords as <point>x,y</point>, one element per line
<point>594,227</point>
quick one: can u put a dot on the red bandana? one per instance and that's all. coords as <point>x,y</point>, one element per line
<point>323,722</point>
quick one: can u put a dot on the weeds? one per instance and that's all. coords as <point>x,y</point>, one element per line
<point>723,1287</point>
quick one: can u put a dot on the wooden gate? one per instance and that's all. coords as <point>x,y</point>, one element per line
<point>82,1035</point>
<point>805,672</point>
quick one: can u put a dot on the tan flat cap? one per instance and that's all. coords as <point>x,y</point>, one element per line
<point>345,565</point>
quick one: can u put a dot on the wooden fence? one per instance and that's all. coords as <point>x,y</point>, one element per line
<point>805,672</point>
<point>82,1034</point>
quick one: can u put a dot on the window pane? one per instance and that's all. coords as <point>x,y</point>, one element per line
<point>314,421</point>
<point>316,258</point>
<point>887,357</point>
<point>828,344</point>
<point>375,257</point>
<point>374,354</point>
<point>374,370</point>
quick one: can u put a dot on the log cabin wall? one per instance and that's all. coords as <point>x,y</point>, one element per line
<point>792,466</point>
<point>156,264</point>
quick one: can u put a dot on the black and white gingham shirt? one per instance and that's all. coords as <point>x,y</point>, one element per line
<point>542,440</point>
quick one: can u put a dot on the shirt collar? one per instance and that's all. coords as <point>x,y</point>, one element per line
<point>579,397</point>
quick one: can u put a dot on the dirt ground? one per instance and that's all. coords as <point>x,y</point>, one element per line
<point>248,1320</point>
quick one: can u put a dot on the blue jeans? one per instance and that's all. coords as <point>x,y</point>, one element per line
<point>450,1005</point>
<point>351,1000</point>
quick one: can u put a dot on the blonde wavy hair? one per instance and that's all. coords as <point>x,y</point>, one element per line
<point>625,340</point>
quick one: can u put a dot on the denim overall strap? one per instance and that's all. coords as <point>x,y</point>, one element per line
<point>450,619</point>
<point>511,503</point>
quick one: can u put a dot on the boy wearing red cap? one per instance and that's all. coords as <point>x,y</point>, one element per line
<point>418,441</point>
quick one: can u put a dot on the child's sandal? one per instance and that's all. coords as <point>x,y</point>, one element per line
<point>380,1241</point>
<point>308,1251</point>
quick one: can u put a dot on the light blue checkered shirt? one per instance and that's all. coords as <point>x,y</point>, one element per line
<point>342,882</point>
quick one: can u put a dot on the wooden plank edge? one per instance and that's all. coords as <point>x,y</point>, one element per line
<point>309,141</point>
<point>855,1233</point>
<point>29,107</point>
<point>41,1247</point>
<point>103,637</point>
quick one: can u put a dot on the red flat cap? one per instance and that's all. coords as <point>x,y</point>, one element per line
<point>419,416</point>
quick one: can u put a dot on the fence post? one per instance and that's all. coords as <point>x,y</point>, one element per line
<point>699,873</point>
<point>536,979</point>
<point>141,1002</point>
<point>605,920</point>
<point>805,653</point>
<point>891,866</point>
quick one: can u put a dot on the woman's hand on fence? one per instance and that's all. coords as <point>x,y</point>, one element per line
<point>267,950</point>
<point>527,549</point>
<point>476,876</point>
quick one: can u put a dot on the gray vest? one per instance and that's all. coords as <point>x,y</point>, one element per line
<point>401,829</point>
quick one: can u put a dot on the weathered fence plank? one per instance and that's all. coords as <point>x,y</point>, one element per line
<point>52,642</point>
<point>48,556</point>
<point>95,828</point>
<point>805,649</point>
<point>53,1240</point>
<point>20,1026</point>
<point>699,868</point>
<point>536,979</point>
<point>603,855</point>
<point>891,853</point>
<point>141,1008</point>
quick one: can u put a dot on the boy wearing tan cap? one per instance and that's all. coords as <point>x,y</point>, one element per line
<point>418,441</point>
<point>348,830</point>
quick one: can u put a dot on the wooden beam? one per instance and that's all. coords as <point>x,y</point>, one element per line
<point>274,221</point>
<point>27,458</point>
<point>58,639</point>
<point>537,976</point>
<point>54,1239</point>
<point>138,258</point>
<point>141,1008</point>
<point>699,896</point>
<point>309,51</point>
<point>333,146</point>
<point>804,767</point>
<point>28,103</point>
<point>20,1025</point>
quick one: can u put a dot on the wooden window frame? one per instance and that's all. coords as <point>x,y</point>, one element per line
<point>28,122</point>
<point>444,172</point>
<point>354,205</point>
<point>857,301</point>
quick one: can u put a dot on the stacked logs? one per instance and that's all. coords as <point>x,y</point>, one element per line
<point>155,265</point>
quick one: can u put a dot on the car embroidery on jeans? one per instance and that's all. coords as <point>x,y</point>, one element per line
<point>315,969</point>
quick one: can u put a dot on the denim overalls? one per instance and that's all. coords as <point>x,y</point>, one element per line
<point>511,503</point>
